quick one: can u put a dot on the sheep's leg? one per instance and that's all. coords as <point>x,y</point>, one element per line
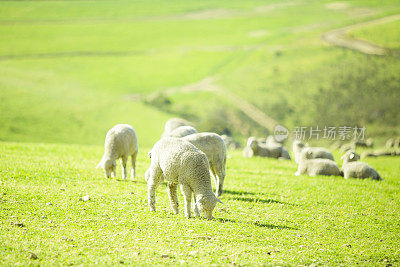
<point>219,179</point>
<point>123,166</point>
<point>196,209</point>
<point>133,171</point>
<point>152,183</point>
<point>214,173</point>
<point>173,197</point>
<point>187,195</point>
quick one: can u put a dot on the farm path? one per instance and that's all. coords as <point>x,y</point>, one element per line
<point>338,37</point>
<point>208,84</point>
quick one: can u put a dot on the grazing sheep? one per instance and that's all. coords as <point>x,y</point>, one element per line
<point>378,153</point>
<point>214,147</point>
<point>317,152</point>
<point>352,168</point>
<point>181,132</point>
<point>255,147</point>
<point>174,123</point>
<point>312,166</point>
<point>180,162</point>
<point>121,142</point>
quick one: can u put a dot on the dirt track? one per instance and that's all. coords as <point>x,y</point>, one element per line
<point>208,85</point>
<point>338,37</point>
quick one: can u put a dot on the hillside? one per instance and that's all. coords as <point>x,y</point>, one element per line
<point>70,70</point>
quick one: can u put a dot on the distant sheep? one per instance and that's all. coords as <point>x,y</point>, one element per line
<point>182,131</point>
<point>174,123</point>
<point>352,168</point>
<point>229,142</point>
<point>214,147</point>
<point>317,152</point>
<point>121,143</point>
<point>180,162</point>
<point>393,143</point>
<point>378,153</point>
<point>312,166</point>
<point>256,147</point>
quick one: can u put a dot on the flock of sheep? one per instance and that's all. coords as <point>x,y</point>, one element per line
<point>186,158</point>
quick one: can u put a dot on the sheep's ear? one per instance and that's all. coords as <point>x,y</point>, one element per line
<point>219,200</point>
<point>351,155</point>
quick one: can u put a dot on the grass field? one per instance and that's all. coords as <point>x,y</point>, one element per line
<point>386,35</point>
<point>269,216</point>
<point>68,70</point>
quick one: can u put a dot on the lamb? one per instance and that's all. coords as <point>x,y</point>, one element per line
<point>255,147</point>
<point>316,166</point>
<point>180,162</point>
<point>317,152</point>
<point>352,168</point>
<point>181,132</point>
<point>120,143</point>
<point>214,147</point>
<point>174,123</point>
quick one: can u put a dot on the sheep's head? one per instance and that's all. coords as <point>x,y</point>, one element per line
<point>108,166</point>
<point>298,145</point>
<point>306,153</point>
<point>206,204</point>
<point>350,156</point>
<point>252,143</point>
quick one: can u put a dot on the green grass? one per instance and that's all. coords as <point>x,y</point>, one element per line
<point>269,216</point>
<point>66,68</point>
<point>386,35</point>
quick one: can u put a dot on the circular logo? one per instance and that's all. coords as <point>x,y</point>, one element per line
<point>280,133</point>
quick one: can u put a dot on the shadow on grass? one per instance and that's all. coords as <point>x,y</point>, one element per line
<point>257,200</point>
<point>131,181</point>
<point>259,224</point>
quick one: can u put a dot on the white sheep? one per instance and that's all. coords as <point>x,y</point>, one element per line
<point>121,143</point>
<point>181,132</point>
<point>257,147</point>
<point>214,147</point>
<point>352,168</point>
<point>174,123</point>
<point>312,166</point>
<point>317,152</point>
<point>180,162</point>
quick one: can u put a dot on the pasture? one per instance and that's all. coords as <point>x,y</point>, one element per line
<point>269,216</point>
<point>70,70</point>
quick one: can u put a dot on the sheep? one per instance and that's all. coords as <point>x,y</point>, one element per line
<point>180,162</point>
<point>121,142</point>
<point>182,131</point>
<point>378,153</point>
<point>214,147</point>
<point>316,166</point>
<point>255,147</point>
<point>174,123</point>
<point>317,152</point>
<point>229,142</point>
<point>352,168</point>
<point>393,143</point>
